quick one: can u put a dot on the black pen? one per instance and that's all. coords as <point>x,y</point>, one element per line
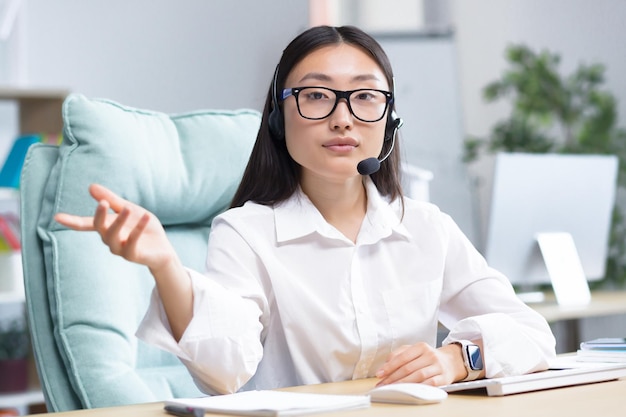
<point>184,411</point>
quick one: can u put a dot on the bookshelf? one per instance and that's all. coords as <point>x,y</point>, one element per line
<point>39,111</point>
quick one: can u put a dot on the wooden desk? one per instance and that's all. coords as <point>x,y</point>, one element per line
<point>603,303</point>
<point>604,399</point>
<point>566,321</point>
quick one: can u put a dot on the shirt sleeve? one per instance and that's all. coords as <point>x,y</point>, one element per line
<point>479,303</point>
<point>221,346</point>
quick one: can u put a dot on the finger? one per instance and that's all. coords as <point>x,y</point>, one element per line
<point>100,216</point>
<point>426,373</point>
<point>139,228</point>
<point>135,234</point>
<point>390,374</point>
<point>400,372</point>
<point>418,370</point>
<point>113,236</point>
<point>406,361</point>
<point>100,192</point>
<point>79,223</point>
<point>396,359</point>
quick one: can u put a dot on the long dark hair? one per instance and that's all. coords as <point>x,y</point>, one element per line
<point>271,175</point>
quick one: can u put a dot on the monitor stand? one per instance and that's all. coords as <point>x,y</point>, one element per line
<point>565,269</point>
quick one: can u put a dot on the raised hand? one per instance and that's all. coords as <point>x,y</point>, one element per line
<point>135,234</point>
<point>129,230</point>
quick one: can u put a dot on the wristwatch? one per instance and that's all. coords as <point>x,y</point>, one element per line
<point>472,359</point>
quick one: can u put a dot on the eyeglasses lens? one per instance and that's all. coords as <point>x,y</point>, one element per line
<point>318,103</point>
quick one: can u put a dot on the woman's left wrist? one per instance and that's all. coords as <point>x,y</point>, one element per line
<point>455,354</point>
<point>472,358</point>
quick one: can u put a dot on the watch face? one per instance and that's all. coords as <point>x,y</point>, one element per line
<point>474,357</point>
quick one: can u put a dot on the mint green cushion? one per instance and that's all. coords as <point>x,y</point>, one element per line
<point>185,169</point>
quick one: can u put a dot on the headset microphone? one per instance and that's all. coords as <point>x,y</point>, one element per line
<point>371,165</point>
<point>368,166</point>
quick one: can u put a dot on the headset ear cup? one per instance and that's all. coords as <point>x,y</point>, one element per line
<point>275,118</point>
<point>393,124</point>
<point>388,130</point>
<point>275,123</point>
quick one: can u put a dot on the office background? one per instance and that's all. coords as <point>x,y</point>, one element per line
<point>176,56</point>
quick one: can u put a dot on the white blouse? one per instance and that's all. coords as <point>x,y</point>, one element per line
<point>288,300</point>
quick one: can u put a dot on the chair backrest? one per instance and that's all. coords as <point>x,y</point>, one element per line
<point>84,304</point>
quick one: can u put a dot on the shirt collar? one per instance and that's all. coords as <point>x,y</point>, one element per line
<point>298,217</point>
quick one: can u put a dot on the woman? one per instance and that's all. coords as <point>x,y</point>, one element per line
<point>320,273</point>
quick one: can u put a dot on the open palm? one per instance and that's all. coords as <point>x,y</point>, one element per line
<point>129,230</point>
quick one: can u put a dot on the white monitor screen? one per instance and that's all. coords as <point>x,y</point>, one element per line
<point>537,193</point>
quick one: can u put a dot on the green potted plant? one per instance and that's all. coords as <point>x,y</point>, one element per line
<point>561,114</point>
<point>14,351</point>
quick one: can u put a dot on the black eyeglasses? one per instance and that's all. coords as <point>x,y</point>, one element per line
<point>316,103</point>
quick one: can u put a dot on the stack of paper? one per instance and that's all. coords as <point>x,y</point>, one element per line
<point>603,350</point>
<point>268,403</point>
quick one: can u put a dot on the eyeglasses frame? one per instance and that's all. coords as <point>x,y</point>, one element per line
<point>339,94</point>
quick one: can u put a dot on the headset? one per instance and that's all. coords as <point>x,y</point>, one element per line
<point>275,118</point>
<point>277,127</point>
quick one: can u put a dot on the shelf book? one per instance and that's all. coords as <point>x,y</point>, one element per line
<point>9,232</point>
<point>12,167</point>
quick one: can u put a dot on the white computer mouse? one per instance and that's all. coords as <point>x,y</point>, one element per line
<point>407,393</point>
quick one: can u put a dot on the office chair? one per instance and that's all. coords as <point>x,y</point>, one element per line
<point>83,303</point>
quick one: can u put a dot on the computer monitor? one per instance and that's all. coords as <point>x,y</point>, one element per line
<point>539,193</point>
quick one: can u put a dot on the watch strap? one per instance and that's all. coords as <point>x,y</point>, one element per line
<point>472,372</point>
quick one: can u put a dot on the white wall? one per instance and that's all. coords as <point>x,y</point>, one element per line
<point>167,55</point>
<point>581,31</point>
<point>428,100</point>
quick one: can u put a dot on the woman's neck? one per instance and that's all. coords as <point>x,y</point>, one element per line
<point>343,204</point>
